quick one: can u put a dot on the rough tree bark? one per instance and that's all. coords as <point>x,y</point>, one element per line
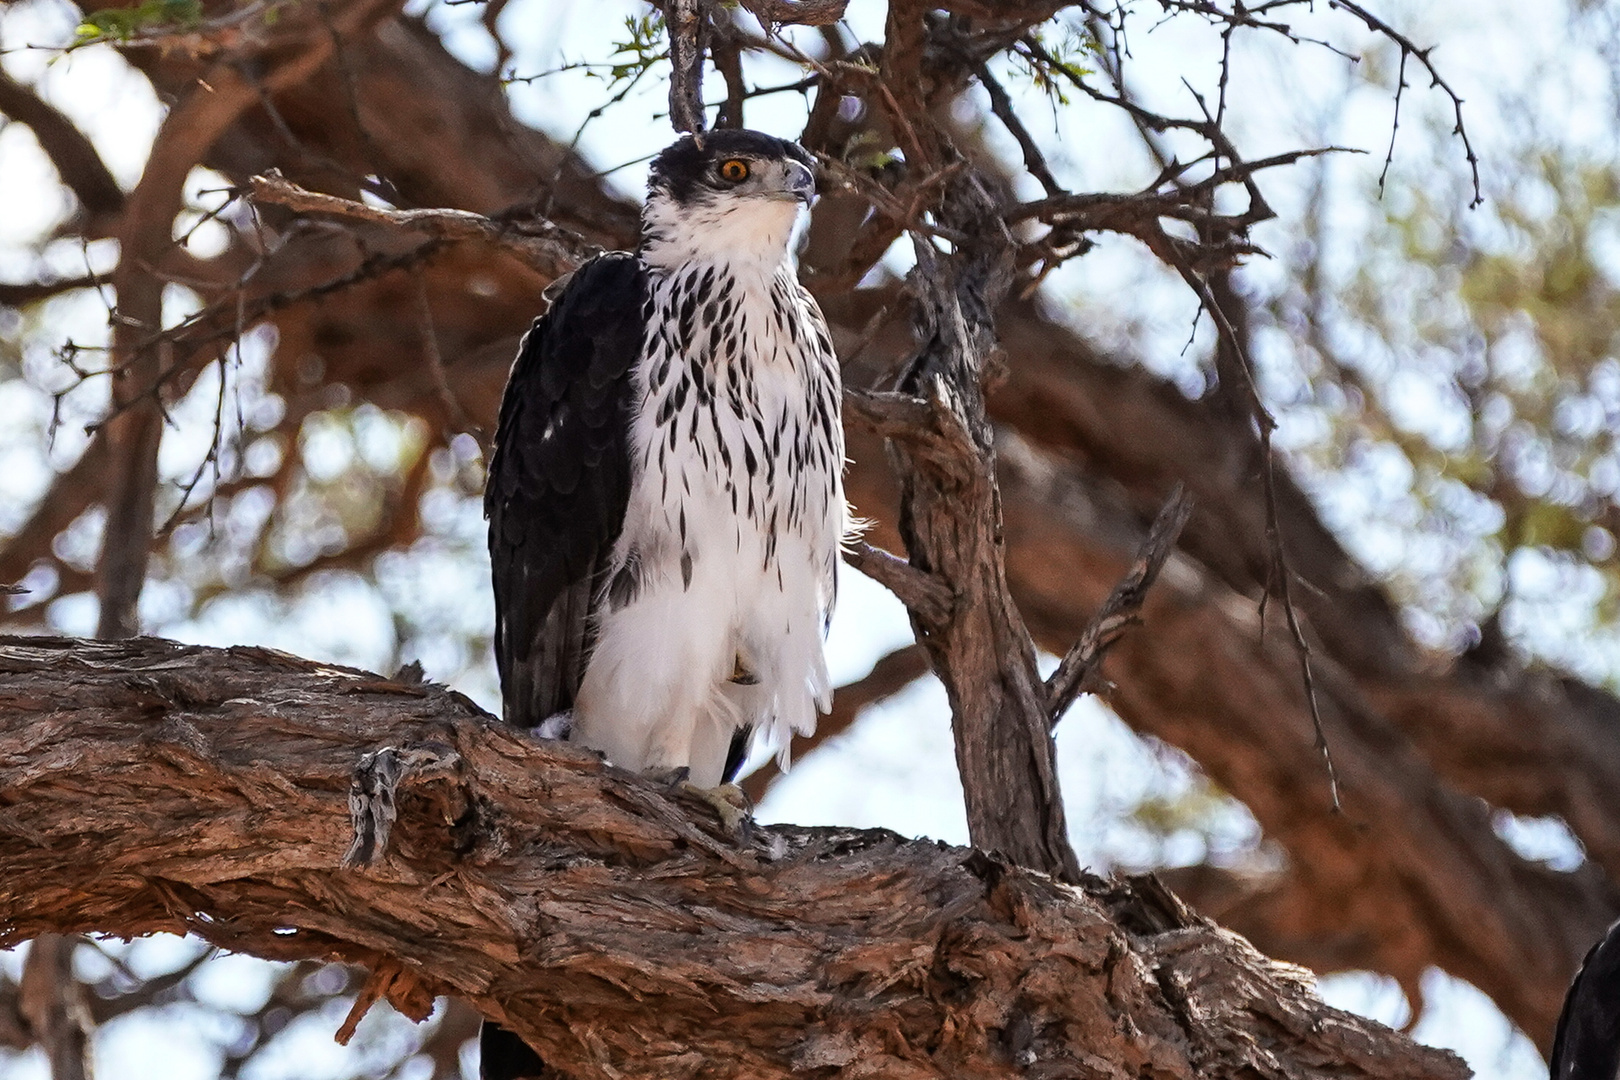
<point>147,786</point>
<point>950,526</point>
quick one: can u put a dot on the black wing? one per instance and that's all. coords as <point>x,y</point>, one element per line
<point>559,482</point>
<point>1587,1043</point>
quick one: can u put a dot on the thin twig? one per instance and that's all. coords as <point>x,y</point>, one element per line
<point>454,413</point>
<point>1278,573</point>
<point>1002,106</point>
<point>1379,26</point>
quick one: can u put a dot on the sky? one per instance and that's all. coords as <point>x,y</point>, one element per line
<point>895,767</point>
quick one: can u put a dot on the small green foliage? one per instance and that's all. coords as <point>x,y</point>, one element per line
<point>867,151</point>
<point>647,44</point>
<point>1052,65</point>
<point>121,24</point>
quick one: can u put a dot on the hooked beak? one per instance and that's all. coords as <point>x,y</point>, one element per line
<point>801,182</point>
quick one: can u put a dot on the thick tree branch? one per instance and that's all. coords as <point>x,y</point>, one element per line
<point>796,12</point>
<point>1089,445</point>
<point>950,523</point>
<point>147,786</point>
<point>69,149</point>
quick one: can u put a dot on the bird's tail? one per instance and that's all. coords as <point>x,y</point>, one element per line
<point>504,1056</point>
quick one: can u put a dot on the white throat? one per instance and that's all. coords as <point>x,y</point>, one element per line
<point>739,231</point>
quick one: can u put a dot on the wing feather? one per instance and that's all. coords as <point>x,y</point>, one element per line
<point>1586,1044</point>
<point>559,482</point>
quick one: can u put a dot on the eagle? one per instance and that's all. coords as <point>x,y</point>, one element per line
<point>665,496</point>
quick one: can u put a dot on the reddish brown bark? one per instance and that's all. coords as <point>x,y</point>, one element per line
<point>149,787</point>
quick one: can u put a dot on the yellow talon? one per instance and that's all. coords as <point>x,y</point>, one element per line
<point>729,803</point>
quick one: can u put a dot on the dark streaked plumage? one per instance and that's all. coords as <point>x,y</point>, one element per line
<point>559,481</point>
<point>665,496</point>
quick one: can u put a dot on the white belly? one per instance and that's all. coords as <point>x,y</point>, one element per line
<point>728,555</point>
<point>660,689</point>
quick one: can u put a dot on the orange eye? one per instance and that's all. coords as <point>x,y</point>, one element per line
<point>735,170</point>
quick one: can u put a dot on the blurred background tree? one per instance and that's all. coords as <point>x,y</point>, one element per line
<point>1445,378</point>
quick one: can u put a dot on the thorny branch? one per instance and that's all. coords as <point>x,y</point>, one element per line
<point>1279,580</point>
<point>1424,57</point>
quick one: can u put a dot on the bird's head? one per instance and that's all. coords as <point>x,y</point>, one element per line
<point>728,195</point>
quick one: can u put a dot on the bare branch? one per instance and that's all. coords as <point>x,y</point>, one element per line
<point>1034,160</point>
<point>919,590</point>
<point>540,243</point>
<point>1081,664</point>
<point>1407,48</point>
<point>435,363</point>
<point>687,24</point>
<point>951,526</point>
<point>20,294</point>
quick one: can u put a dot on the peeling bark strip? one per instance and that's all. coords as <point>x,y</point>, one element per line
<point>147,786</point>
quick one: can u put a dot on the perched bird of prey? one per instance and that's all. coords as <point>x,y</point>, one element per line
<point>1587,1043</point>
<point>666,499</point>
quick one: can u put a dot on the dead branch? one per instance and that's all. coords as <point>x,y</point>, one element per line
<point>152,787</point>
<point>920,591</point>
<point>547,247</point>
<point>1424,57</point>
<point>23,293</point>
<point>1082,662</point>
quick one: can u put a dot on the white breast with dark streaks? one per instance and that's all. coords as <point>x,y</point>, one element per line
<point>724,576</point>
